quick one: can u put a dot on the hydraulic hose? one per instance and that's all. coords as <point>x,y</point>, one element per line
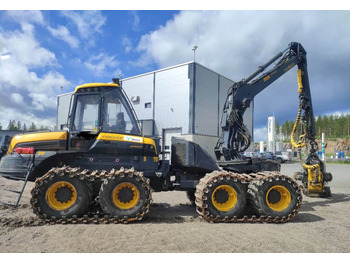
<point>300,143</point>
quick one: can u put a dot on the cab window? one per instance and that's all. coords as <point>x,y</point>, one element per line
<point>118,118</point>
<point>86,116</point>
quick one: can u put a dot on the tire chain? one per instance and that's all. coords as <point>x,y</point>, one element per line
<point>266,176</point>
<point>89,176</point>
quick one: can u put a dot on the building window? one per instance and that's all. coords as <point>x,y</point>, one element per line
<point>148,105</point>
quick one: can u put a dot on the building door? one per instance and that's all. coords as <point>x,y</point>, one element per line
<point>166,144</point>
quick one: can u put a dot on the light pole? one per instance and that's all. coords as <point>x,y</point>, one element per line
<point>194,52</point>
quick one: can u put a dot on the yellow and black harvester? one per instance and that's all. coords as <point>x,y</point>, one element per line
<point>102,169</point>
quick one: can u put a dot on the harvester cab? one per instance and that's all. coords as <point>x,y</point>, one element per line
<point>101,108</point>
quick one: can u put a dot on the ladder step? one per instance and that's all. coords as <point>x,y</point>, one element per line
<point>23,186</point>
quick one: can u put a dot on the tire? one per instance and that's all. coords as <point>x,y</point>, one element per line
<point>126,197</point>
<point>59,195</point>
<point>279,160</point>
<point>276,198</point>
<point>224,199</point>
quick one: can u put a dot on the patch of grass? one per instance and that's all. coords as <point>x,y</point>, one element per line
<point>337,161</point>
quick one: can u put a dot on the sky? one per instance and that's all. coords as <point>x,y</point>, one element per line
<point>44,53</point>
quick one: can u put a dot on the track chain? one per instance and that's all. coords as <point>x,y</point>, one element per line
<point>266,176</point>
<point>88,176</point>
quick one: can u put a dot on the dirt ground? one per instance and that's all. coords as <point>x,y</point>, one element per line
<point>322,226</point>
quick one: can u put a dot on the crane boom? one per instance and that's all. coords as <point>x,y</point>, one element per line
<point>235,137</point>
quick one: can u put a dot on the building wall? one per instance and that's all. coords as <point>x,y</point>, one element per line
<point>140,89</point>
<point>166,93</point>
<point>172,99</point>
<point>206,102</point>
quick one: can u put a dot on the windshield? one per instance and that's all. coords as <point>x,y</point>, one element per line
<point>117,114</point>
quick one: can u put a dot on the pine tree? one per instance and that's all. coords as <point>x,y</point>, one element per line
<point>19,127</point>
<point>278,129</point>
<point>32,127</point>
<point>318,125</point>
<point>11,126</point>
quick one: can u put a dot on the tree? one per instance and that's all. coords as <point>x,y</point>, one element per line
<point>333,126</point>
<point>278,130</point>
<point>330,126</point>
<point>32,127</point>
<point>348,121</point>
<point>24,127</point>
<point>18,125</point>
<point>318,126</point>
<point>11,125</point>
<point>325,124</point>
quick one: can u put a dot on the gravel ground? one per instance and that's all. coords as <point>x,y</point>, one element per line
<point>322,226</point>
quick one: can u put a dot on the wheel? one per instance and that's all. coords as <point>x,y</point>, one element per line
<point>223,198</point>
<point>126,197</point>
<point>279,160</point>
<point>191,196</point>
<point>278,197</point>
<point>61,195</point>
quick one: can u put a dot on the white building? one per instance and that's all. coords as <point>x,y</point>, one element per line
<point>271,134</point>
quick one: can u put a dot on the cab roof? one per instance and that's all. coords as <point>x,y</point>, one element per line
<point>94,85</point>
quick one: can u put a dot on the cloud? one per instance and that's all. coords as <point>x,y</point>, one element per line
<point>88,23</point>
<point>235,43</point>
<point>260,134</point>
<point>62,33</point>
<point>24,48</point>
<point>16,98</point>
<point>127,44</point>
<point>26,96</point>
<point>135,21</point>
<point>101,64</point>
<point>28,16</point>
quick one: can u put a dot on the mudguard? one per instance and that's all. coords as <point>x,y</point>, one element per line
<point>15,166</point>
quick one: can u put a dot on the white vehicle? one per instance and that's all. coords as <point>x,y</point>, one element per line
<point>282,157</point>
